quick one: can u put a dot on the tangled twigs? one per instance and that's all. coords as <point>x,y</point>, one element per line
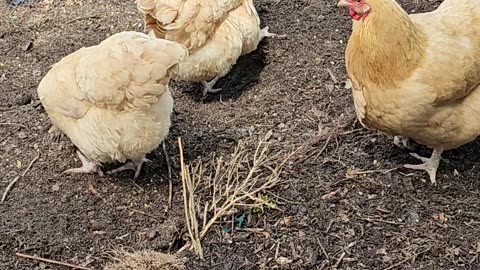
<point>170,183</point>
<point>235,182</point>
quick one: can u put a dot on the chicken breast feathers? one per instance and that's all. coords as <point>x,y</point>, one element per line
<point>427,85</point>
<point>417,76</point>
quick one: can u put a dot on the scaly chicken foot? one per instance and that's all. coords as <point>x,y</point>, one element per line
<point>264,33</point>
<point>208,87</point>
<point>429,165</point>
<point>403,142</point>
<point>55,134</point>
<point>87,166</point>
<point>131,165</point>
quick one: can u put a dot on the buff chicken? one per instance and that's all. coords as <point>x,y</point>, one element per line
<point>216,33</point>
<point>417,76</point>
<point>112,100</point>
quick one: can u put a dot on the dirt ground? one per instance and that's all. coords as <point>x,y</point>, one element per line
<point>377,216</point>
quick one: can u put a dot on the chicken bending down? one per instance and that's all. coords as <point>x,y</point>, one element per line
<point>417,76</point>
<point>216,33</point>
<point>112,100</point>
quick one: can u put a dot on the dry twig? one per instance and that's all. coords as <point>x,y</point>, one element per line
<point>189,203</point>
<point>381,221</point>
<point>323,249</point>
<point>170,183</point>
<point>334,79</point>
<point>407,259</point>
<point>339,260</point>
<point>14,124</point>
<point>21,255</point>
<point>355,172</point>
<point>10,185</point>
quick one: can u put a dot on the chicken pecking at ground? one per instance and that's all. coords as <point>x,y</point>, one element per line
<point>417,76</point>
<point>112,100</point>
<point>216,33</point>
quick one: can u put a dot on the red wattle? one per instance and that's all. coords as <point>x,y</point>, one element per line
<point>355,15</point>
<point>352,13</point>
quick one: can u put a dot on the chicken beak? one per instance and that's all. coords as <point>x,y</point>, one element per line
<point>344,3</point>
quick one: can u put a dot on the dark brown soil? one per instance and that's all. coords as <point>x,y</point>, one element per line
<point>376,219</point>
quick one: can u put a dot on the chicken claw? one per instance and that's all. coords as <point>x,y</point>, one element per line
<point>429,165</point>
<point>87,166</point>
<point>403,142</point>
<point>264,33</point>
<point>131,165</point>
<point>208,87</point>
<point>55,134</point>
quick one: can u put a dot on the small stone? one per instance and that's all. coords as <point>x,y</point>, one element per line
<point>152,234</point>
<point>241,236</point>
<point>243,132</point>
<point>302,209</point>
<point>56,187</point>
<point>27,46</point>
<point>414,217</point>
<point>96,225</point>
<point>22,135</point>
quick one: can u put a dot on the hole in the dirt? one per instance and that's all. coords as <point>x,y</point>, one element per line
<point>22,99</point>
<point>178,243</point>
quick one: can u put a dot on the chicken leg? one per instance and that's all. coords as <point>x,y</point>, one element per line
<point>131,165</point>
<point>208,86</point>
<point>429,165</point>
<point>55,134</point>
<point>403,142</point>
<point>87,166</point>
<point>264,33</point>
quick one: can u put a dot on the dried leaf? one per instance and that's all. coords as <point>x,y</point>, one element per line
<point>287,220</point>
<point>440,217</point>
<point>382,251</point>
<point>268,135</point>
<point>330,195</point>
<point>343,216</point>
<point>283,260</point>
